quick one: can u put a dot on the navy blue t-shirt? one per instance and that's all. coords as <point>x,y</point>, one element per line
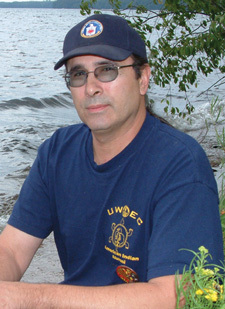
<point>138,210</point>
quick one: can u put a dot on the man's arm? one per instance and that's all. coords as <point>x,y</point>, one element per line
<point>16,252</point>
<point>158,293</point>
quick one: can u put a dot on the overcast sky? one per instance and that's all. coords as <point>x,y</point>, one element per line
<point>17,0</point>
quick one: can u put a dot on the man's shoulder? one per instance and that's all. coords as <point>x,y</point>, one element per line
<point>175,144</point>
<point>63,137</point>
<point>75,129</point>
<point>171,135</point>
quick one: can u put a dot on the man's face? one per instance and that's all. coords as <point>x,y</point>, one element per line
<point>107,107</point>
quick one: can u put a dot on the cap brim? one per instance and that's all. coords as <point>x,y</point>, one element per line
<point>105,51</point>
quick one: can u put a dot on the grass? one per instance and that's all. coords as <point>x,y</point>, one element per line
<point>202,285</point>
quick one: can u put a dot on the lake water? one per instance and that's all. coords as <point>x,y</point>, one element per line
<point>34,100</point>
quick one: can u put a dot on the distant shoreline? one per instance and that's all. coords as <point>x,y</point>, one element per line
<point>72,4</point>
<point>27,5</point>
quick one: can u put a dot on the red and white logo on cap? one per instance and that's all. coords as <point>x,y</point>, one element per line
<point>91,29</point>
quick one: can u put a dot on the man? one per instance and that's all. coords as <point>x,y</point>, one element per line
<point>122,192</point>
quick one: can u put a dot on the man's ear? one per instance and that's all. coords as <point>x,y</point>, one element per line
<point>144,79</point>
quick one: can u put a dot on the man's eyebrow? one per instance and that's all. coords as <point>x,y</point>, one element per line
<point>76,67</point>
<point>98,63</point>
<point>105,62</point>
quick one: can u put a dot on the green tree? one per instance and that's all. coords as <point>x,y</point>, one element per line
<point>191,39</point>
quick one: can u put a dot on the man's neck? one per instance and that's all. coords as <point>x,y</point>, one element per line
<point>106,145</point>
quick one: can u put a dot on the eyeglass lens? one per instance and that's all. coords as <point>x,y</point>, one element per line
<point>104,73</point>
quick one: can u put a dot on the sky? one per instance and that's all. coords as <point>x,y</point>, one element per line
<point>18,0</point>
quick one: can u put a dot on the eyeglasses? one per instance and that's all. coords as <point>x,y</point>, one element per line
<point>104,73</point>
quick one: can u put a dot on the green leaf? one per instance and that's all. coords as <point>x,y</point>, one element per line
<point>184,48</point>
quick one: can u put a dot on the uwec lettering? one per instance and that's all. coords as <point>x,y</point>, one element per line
<point>125,211</point>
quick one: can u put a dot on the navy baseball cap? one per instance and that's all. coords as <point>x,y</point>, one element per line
<point>103,35</point>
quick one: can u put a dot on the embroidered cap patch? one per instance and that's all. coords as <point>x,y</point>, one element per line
<point>91,29</point>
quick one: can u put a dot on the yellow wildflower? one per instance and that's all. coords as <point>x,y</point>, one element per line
<point>199,292</point>
<point>207,272</point>
<point>218,288</point>
<point>212,295</point>
<point>203,249</point>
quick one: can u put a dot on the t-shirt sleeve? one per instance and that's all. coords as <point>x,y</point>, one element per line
<point>185,219</point>
<point>186,216</point>
<point>31,212</point>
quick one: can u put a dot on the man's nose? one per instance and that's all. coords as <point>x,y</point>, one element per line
<point>92,86</point>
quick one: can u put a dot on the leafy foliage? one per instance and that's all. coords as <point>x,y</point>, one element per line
<point>186,47</point>
<point>202,284</point>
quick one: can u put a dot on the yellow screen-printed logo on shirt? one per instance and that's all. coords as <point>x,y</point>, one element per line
<point>121,234</point>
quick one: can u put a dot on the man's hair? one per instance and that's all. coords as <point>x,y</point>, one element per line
<point>139,64</point>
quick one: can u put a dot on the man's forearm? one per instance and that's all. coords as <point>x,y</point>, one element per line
<point>45,296</point>
<point>9,269</point>
<point>16,252</point>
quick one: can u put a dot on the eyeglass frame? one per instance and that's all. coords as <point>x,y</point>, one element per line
<point>67,75</point>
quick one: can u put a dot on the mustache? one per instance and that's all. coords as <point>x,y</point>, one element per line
<point>96,101</point>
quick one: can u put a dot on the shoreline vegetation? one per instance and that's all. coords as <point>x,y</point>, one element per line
<point>73,4</point>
